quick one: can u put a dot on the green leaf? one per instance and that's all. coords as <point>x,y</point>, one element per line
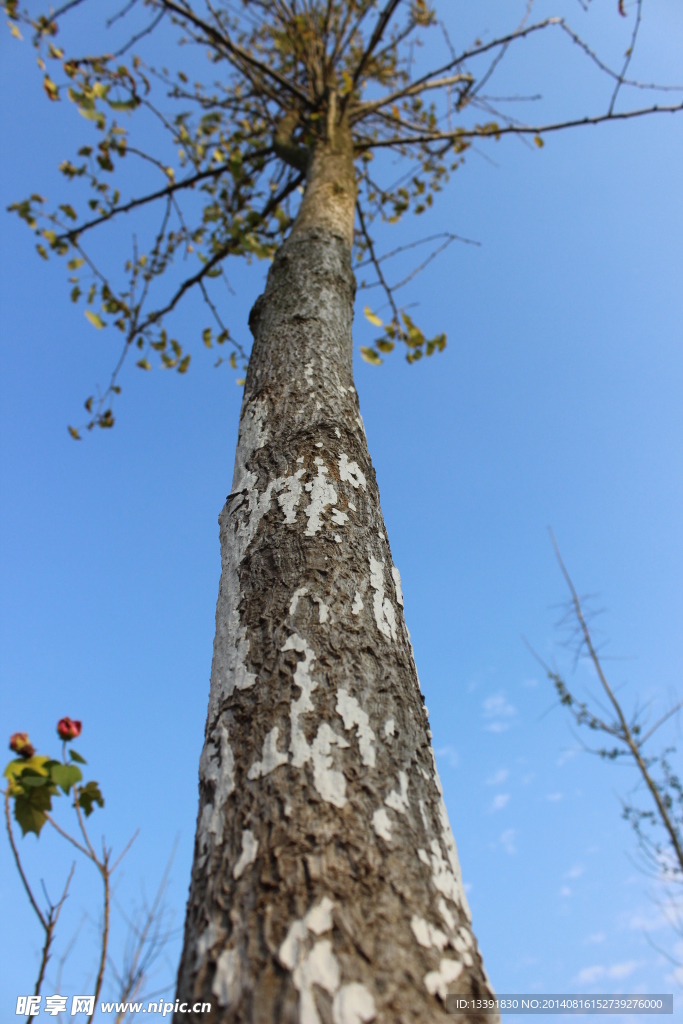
<point>89,795</point>
<point>66,775</point>
<point>370,356</point>
<point>76,757</point>
<point>74,433</point>
<point>184,363</point>
<point>143,364</point>
<point>29,810</point>
<point>384,345</point>
<point>94,319</point>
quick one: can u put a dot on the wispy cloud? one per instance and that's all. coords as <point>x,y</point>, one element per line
<point>590,974</point>
<point>507,841</point>
<point>498,712</point>
<point>615,972</point>
<point>498,777</point>
<point>575,872</point>
<point>450,754</point>
<point>500,801</point>
<point>554,797</point>
<point>567,755</point>
<point>565,891</point>
<point>595,938</point>
<point>530,683</point>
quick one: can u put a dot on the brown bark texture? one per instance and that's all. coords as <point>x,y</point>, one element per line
<point>326,887</point>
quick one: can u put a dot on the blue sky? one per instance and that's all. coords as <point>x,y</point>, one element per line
<point>557,402</point>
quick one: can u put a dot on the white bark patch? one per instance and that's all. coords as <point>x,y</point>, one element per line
<point>437,982</point>
<point>271,758</point>
<point>427,935</point>
<point>322,494</point>
<point>289,499</point>
<point>385,617</point>
<point>311,966</point>
<point>301,592</point>
<point>339,518</point>
<point>382,824</point>
<point>329,783</point>
<point>319,918</point>
<point>389,728</point>
<point>353,715</point>
<point>323,610</point>
<point>352,506</point>
<point>337,431</point>
<point>423,814</point>
<point>216,765</point>
<point>351,473</point>
<point>318,444</point>
<point>357,605</point>
<point>353,1004</point>
<point>397,585</point>
<point>208,939</point>
<point>449,920</point>
<point>226,982</point>
<point>398,800</point>
<point>451,849</point>
<point>444,879</point>
<point>248,854</point>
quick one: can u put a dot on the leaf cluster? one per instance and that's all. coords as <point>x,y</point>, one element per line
<point>34,782</point>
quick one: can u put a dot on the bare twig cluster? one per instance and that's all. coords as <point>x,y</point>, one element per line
<point>627,738</point>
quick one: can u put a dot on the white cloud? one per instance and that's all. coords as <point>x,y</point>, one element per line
<point>498,777</point>
<point>498,713</point>
<point>449,754</point>
<point>622,970</point>
<point>575,872</point>
<point>565,891</point>
<point>616,972</point>
<point>567,755</point>
<point>590,974</point>
<point>554,797</point>
<point>507,841</point>
<point>500,801</point>
<point>526,779</point>
<point>530,683</point>
<point>595,938</point>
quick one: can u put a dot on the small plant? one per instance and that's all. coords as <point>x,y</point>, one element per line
<point>33,782</point>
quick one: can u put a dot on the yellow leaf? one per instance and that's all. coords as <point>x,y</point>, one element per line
<point>94,319</point>
<point>74,433</point>
<point>539,141</point>
<point>241,382</point>
<point>143,364</point>
<point>15,31</point>
<point>50,88</point>
<point>370,356</point>
<point>372,317</point>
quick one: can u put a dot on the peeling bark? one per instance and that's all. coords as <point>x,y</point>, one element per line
<point>326,887</point>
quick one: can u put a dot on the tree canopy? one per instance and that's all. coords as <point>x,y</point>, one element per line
<point>243,100</point>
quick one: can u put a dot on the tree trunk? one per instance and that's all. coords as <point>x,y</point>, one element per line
<point>326,887</point>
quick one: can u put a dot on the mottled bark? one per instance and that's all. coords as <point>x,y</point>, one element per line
<point>326,887</point>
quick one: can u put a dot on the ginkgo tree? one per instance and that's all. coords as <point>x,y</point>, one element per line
<point>326,884</point>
